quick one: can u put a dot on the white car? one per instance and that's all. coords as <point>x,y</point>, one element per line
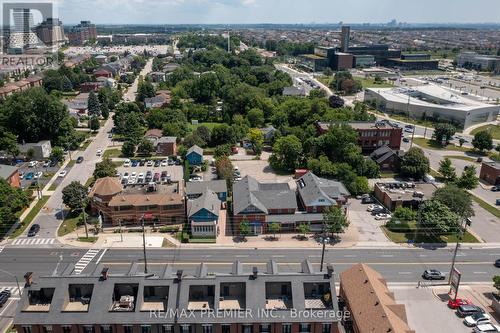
<point>477,319</point>
<point>37,175</point>
<point>373,207</point>
<point>383,216</point>
<point>131,180</point>
<point>125,175</point>
<point>196,178</point>
<point>126,163</point>
<point>99,152</point>
<point>150,163</point>
<point>164,163</point>
<point>133,174</point>
<point>63,173</point>
<point>486,328</point>
<point>32,164</point>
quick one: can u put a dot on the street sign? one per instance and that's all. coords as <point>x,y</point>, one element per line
<point>455,281</point>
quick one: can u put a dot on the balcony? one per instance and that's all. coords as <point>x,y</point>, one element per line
<point>39,300</point>
<point>124,297</point>
<point>232,296</point>
<point>79,296</point>
<point>201,297</point>
<point>317,296</point>
<point>278,296</point>
<point>155,298</point>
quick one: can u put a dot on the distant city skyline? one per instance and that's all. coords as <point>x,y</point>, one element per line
<point>276,11</point>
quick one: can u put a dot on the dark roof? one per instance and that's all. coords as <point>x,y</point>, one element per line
<point>6,171</point>
<point>263,196</point>
<point>312,189</point>
<point>195,149</point>
<point>218,186</point>
<point>385,152</point>
<point>208,200</point>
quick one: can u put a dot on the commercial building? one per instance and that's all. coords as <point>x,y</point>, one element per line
<point>414,62</point>
<point>364,60</point>
<point>51,32</point>
<point>82,33</point>
<point>343,61</point>
<point>317,194</point>
<point>490,172</point>
<point>196,189</point>
<point>313,62</point>
<point>371,135</point>
<point>239,300</point>
<point>403,194</point>
<point>364,293</point>
<point>478,61</point>
<point>38,150</point>
<point>203,214</point>
<point>11,175</point>
<point>159,204</point>
<point>432,102</point>
<point>387,159</point>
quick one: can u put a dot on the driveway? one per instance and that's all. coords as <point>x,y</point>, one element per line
<point>261,171</point>
<point>367,228</point>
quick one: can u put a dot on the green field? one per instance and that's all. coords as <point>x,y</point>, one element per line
<point>465,158</point>
<point>112,153</point>
<point>430,144</point>
<point>493,129</point>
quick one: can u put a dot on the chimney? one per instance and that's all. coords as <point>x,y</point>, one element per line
<point>28,278</point>
<point>179,276</point>
<point>255,272</point>
<point>329,271</point>
<point>104,274</point>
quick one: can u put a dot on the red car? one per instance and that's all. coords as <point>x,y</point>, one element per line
<point>454,304</point>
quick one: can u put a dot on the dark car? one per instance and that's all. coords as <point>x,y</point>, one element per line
<point>367,200</point>
<point>433,274</point>
<point>468,310</point>
<point>35,228</point>
<point>53,163</point>
<point>135,163</point>
<point>405,139</point>
<point>157,163</point>
<point>495,188</point>
<point>79,159</point>
<point>142,162</point>
<point>497,263</point>
<point>4,297</point>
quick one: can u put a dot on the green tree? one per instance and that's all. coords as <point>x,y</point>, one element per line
<point>404,214</point>
<point>468,180</point>
<point>145,90</point>
<point>128,149</point>
<point>335,220</point>
<point>287,153</point>
<point>447,170</point>
<point>482,141</point>
<point>443,132</point>
<point>94,107</point>
<point>303,229</point>
<point>106,168</point>
<point>496,281</point>
<point>222,150</point>
<point>145,147</point>
<point>458,200</point>
<point>274,228</point>
<point>75,196</point>
<point>203,132</point>
<point>436,218</point>
<point>255,117</point>
<point>105,111</point>
<point>94,123</point>
<point>244,228</point>
<point>8,142</point>
<point>225,169</point>
<point>461,141</point>
<point>256,138</point>
<point>415,164</point>
<point>57,154</point>
<point>222,134</point>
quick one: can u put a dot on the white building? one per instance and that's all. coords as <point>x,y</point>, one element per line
<point>433,102</point>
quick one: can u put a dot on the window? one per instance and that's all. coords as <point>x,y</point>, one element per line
<point>47,329</point>
<point>287,328</point>
<point>264,328</point>
<point>247,329</point>
<point>27,329</point>
<point>106,329</point>
<point>167,329</point>
<point>327,327</point>
<point>206,328</point>
<point>128,329</point>
<point>226,328</point>
<point>88,329</point>
<point>185,328</point>
<point>66,329</point>
<point>146,328</point>
<point>305,328</point>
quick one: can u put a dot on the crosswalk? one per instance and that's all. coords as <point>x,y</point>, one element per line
<point>85,260</point>
<point>33,241</point>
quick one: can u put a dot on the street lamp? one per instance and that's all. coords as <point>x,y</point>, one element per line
<point>15,277</point>
<point>324,240</point>
<point>144,246</point>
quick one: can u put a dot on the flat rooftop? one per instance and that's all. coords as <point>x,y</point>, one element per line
<point>404,191</point>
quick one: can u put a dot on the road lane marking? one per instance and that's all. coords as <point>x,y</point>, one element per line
<point>85,260</point>
<point>102,255</point>
<point>480,273</point>
<point>404,273</point>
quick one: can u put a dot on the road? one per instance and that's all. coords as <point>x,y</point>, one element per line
<point>129,96</point>
<point>295,74</point>
<point>396,265</point>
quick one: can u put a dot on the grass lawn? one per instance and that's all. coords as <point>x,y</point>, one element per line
<point>85,145</point>
<point>111,153</point>
<point>210,126</point>
<point>53,187</point>
<point>30,216</point>
<point>89,182</point>
<point>493,129</point>
<point>465,158</point>
<point>430,144</point>
<point>409,235</point>
<point>71,163</point>
<point>370,83</point>
<point>388,174</point>
<point>71,222</point>
<point>486,206</point>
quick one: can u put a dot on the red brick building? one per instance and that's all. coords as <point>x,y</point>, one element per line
<point>490,173</point>
<point>11,175</point>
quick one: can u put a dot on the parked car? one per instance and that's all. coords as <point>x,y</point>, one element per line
<point>477,319</point>
<point>135,163</point>
<point>4,297</point>
<point>53,163</point>
<point>383,216</point>
<point>38,175</point>
<point>142,162</point>
<point>455,303</point>
<point>131,180</point>
<point>150,163</point>
<point>196,178</point>
<point>29,176</point>
<point>468,310</point>
<point>172,162</point>
<point>133,174</point>
<point>497,202</point>
<point>140,178</point>
<point>157,163</point>
<point>495,188</point>
<point>126,163</point>
<point>164,163</point>
<point>370,208</point>
<point>156,177</point>
<point>433,274</point>
<point>367,200</point>
<point>62,174</point>
<point>79,159</point>
<point>405,139</point>
<point>21,175</point>
<point>486,328</point>
<point>497,263</point>
<point>46,164</point>
<point>35,228</point>
<point>32,164</point>
<point>99,152</point>
<point>149,176</point>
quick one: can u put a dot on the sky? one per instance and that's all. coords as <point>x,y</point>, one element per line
<point>278,11</point>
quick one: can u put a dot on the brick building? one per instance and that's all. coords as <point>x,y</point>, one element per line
<point>490,173</point>
<point>11,175</point>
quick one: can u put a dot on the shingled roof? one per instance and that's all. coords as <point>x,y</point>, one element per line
<point>106,186</point>
<point>371,304</point>
<point>311,187</point>
<point>208,201</point>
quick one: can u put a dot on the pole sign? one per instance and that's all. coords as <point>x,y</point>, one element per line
<point>455,281</point>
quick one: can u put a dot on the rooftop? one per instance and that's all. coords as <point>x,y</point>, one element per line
<point>404,191</point>
<point>197,188</point>
<point>7,170</point>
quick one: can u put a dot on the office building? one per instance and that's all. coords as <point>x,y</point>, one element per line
<point>403,194</point>
<point>20,35</point>
<point>82,33</point>
<point>51,32</point>
<point>432,102</point>
<point>414,62</point>
<point>345,38</point>
<point>474,60</point>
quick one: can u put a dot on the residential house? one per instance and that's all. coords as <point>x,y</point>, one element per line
<point>294,91</point>
<point>260,203</point>
<point>316,194</point>
<point>11,175</point>
<point>101,59</point>
<point>78,104</point>
<point>195,155</point>
<point>87,87</point>
<point>162,99</point>
<point>153,134</point>
<point>268,133</point>
<point>203,214</point>
<point>18,86</point>
<point>372,307</point>
<point>103,73</point>
<point>170,67</point>
<point>387,158</point>
<point>41,150</point>
<point>166,146</point>
<point>196,189</point>
<point>158,77</point>
<point>490,173</point>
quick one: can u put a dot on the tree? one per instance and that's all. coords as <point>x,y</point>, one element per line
<point>145,90</point>
<point>57,154</point>
<point>461,141</point>
<point>75,196</point>
<point>447,170</point>
<point>255,117</point>
<point>303,229</point>
<point>443,132</point>
<point>94,107</point>
<point>128,149</point>
<point>244,228</point>
<point>436,218</point>
<point>203,132</point>
<point>274,228</point>
<point>335,220</point>
<point>145,147</point>
<point>222,150</point>
<point>456,199</point>
<point>225,169</point>
<point>496,281</point>
<point>468,180</point>
<point>414,164</point>
<point>94,123</point>
<point>222,134</point>
<point>105,111</point>
<point>106,168</point>
<point>335,101</point>
<point>256,138</point>
<point>8,142</point>
<point>404,214</point>
<point>287,153</point>
<point>482,141</point>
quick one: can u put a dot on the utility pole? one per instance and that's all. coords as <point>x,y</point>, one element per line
<point>463,229</point>
<point>84,218</point>
<point>121,233</point>
<point>324,240</point>
<point>38,193</point>
<point>144,246</point>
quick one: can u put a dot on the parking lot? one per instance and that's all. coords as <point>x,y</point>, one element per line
<point>260,170</point>
<point>175,171</point>
<point>29,174</point>
<point>367,227</point>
